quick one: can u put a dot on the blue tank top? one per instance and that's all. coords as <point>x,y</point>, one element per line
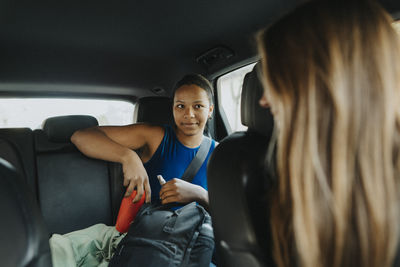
<point>171,160</point>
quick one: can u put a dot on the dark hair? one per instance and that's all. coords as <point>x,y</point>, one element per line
<point>198,80</point>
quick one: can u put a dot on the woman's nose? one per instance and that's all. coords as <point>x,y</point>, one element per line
<point>264,101</point>
<point>189,113</point>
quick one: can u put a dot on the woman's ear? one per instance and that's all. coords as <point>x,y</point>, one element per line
<point>210,111</point>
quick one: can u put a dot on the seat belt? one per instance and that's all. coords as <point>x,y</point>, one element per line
<point>198,160</point>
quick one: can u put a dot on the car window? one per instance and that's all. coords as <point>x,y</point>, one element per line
<point>31,112</point>
<point>229,88</point>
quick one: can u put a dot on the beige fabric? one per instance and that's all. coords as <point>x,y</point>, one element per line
<point>93,246</point>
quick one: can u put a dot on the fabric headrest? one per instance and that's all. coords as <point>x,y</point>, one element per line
<point>154,109</point>
<point>60,129</point>
<point>255,117</point>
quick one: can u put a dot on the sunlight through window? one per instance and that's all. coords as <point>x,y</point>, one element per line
<point>31,112</point>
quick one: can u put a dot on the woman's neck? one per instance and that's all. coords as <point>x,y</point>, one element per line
<point>191,141</point>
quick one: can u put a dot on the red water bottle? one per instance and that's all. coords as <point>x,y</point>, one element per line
<point>127,212</point>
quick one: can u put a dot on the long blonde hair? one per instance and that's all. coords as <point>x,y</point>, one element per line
<point>332,73</point>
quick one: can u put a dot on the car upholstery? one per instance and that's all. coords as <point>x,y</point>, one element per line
<point>23,157</point>
<point>74,189</point>
<point>21,226</point>
<point>157,110</point>
<point>237,185</point>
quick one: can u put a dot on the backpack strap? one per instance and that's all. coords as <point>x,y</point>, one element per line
<point>198,160</point>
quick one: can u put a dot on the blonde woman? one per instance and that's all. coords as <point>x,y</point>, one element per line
<point>331,73</point>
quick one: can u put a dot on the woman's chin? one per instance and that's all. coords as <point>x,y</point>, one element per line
<point>191,130</point>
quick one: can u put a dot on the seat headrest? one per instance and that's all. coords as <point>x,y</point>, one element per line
<point>60,129</point>
<point>255,117</point>
<point>154,109</point>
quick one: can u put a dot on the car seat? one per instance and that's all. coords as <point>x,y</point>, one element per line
<point>75,191</point>
<point>237,184</point>
<point>24,240</point>
<point>154,109</point>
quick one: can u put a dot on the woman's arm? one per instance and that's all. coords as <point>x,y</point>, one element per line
<point>116,143</point>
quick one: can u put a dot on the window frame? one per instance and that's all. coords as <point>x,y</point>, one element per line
<point>218,106</point>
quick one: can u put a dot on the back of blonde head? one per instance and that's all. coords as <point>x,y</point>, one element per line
<point>332,73</point>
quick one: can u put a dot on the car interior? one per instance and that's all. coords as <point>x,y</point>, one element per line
<point>133,51</point>
<point>246,241</point>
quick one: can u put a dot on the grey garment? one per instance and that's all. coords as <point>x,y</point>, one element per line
<point>93,246</point>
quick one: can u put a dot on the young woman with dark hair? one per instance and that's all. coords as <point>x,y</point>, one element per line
<point>164,149</point>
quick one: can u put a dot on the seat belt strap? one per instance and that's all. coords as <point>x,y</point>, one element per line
<point>198,160</point>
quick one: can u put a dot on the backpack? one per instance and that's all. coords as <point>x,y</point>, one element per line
<point>163,237</point>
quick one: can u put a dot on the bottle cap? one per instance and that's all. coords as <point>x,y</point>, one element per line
<point>161,179</point>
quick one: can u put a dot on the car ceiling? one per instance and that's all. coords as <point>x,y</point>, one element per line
<point>125,47</point>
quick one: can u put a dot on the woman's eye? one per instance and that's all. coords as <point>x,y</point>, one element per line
<point>198,106</point>
<point>179,106</point>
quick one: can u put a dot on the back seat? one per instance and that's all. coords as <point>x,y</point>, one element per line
<point>72,190</point>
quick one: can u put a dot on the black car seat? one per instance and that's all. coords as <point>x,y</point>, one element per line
<point>237,185</point>
<point>74,191</point>
<point>154,109</point>
<point>24,240</point>
<point>10,153</point>
<point>20,140</point>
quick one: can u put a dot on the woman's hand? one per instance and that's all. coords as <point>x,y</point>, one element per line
<point>135,175</point>
<point>178,190</point>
